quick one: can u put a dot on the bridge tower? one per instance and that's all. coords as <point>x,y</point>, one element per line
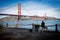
<point>19,11</point>
<point>19,16</point>
<point>45,16</point>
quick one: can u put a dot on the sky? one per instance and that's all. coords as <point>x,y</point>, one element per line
<point>31,7</point>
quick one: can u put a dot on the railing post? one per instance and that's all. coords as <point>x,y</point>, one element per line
<point>6,24</point>
<point>16,26</point>
<point>56,30</point>
<point>33,28</point>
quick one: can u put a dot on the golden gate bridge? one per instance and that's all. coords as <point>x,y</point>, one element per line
<point>19,14</point>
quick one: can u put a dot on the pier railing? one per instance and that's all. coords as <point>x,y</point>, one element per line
<point>56,26</point>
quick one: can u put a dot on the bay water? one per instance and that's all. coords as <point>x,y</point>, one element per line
<point>12,23</point>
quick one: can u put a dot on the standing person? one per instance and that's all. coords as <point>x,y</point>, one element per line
<point>43,25</point>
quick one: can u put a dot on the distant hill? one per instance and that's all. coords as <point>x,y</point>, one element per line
<point>27,18</point>
<point>14,18</point>
<point>53,18</point>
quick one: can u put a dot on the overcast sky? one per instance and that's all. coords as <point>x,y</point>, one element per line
<point>31,7</point>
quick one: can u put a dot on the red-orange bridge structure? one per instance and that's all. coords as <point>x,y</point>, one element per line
<point>19,14</point>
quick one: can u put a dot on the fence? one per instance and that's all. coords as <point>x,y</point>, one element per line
<point>33,25</point>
